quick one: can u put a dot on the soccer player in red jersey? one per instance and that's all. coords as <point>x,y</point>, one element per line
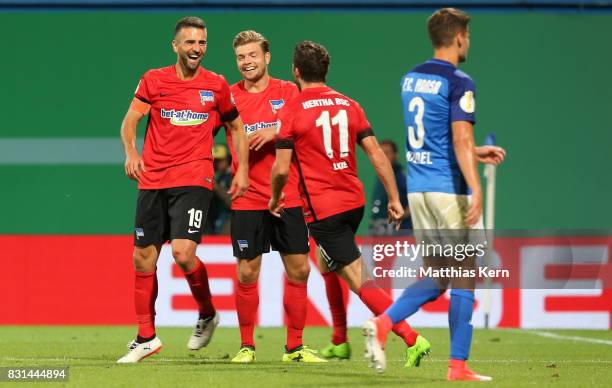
<point>319,130</point>
<point>175,177</point>
<point>258,98</point>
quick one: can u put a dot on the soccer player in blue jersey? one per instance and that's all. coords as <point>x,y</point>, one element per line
<point>444,190</point>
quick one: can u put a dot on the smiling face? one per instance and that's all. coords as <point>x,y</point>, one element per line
<point>189,44</point>
<point>252,61</point>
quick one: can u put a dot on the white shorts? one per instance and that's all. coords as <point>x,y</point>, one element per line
<point>438,218</point>
<point>440,211</point>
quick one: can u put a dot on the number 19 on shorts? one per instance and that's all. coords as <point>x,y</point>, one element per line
<point>195,218</point>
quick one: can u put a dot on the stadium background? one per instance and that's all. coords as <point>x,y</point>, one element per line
<point>68,74</point>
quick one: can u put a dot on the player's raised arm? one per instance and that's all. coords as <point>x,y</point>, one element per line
<point>134,163</point>
<point>465,151</point>
<point>383,169</point>
<point>240,183</point>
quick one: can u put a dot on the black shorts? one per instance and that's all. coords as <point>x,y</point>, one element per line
<point>168,214</point>
<point>335,236</point>
<point>253,231</point>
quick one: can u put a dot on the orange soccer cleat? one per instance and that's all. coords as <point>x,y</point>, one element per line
<point>459,371</point>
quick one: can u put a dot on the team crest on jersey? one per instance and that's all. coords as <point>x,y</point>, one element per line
<point>206,96</point>
<point>276,105</point>
<point>467,103</point>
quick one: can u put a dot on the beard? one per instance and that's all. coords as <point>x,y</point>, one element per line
<point>188,64</point>
<point>257,76</point>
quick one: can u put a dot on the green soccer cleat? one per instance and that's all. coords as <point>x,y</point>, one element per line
<point>341,352</point>
<point>417,351</point>
<point>303,354</point>
<point>246,355</point>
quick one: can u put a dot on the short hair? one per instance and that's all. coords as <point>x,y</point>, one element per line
<point>390,143</point>
<point>444,24</point>
<point>189,21</point>
<point>250,36</point>
<point>312,60</point>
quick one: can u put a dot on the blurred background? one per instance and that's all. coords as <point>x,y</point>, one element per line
<point>69,69</point>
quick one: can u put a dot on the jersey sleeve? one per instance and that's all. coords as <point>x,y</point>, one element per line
<point>227,108</point>
<point>143,90</point>
<point>463,100</point>
<point>142,96</point>
<point>290,91</point>
<point>285,136</point>
<point>364,129</point>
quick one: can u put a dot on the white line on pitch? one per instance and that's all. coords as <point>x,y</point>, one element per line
<point>199,360</point>
<point>547,334</point>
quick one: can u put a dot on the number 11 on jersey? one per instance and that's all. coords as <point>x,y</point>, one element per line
<point>341,120</point>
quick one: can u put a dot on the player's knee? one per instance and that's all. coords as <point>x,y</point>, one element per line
<point>247,272</point>
<point>184,258</point>
<point>144,259</point>
<point>299,273</point>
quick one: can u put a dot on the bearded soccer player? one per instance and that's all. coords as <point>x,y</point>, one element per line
<point>259,98</point>
<point>319,129</point>
<point>443,184</point>
<point>175,177</point>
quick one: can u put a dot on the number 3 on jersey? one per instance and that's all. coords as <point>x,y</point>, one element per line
<point>417,140</point>
<point>341,120</point>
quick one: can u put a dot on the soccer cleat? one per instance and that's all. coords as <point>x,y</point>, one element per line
<point>302,354</point>
<point>341,351</point>
<point>140,351</point>
<point>459,371</point>
<point>417,351</point>
<point>375,345</point>
<point>246,355</point>
<point>203,332</point>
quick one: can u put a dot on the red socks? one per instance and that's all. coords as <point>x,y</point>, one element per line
<point>247,303</point>
<point>296,305</point>
<point>378,301</point>
<point>198,283</point>
<point>145,294</point>
<point>338,300</point>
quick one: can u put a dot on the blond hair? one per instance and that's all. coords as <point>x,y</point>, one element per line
<point>250,36</point>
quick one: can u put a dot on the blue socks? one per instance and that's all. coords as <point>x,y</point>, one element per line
<point>413,297</point>
<point>459,322</point>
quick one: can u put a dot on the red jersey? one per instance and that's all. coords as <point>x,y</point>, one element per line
<point>323,126</point>
<point>179,138</point>
<point>259,111</point>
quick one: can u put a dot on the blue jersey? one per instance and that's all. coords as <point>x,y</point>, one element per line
<point>434,95</point>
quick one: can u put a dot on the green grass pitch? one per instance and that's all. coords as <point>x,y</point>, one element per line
<point>561,358</point>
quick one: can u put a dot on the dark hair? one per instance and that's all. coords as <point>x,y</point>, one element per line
<point>444,24</point>
<point>189,21</point>
<point>312,60</point>
<point>390,143</point>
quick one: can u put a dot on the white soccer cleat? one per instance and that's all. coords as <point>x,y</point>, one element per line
<point>140,351</point>
<point>374,352</point>
<point>203,332</point>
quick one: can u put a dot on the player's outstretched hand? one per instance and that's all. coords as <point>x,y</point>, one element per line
<point>257,139</point>
<point>489,154</point>
<point>134,165</point>
<point>475,212</point>
<point>277,205</point>
<point>395,210</point>
<point>240,184</point>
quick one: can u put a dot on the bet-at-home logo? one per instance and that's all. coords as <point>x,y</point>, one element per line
<point>184,117</point>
